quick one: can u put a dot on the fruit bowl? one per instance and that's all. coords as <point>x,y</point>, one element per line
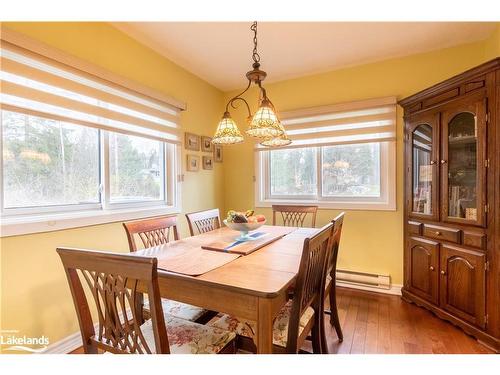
<point>244,228</point>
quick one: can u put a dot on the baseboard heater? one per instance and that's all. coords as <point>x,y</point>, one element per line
<point>364,279</point>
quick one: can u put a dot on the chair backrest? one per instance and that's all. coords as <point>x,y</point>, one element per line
<point>152,232</point>
<point>334,245</point>
<point>294,216</point>
<point>203,221</point>
<point>310,283</point>
<point>114,280</point>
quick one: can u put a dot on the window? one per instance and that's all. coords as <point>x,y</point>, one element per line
<point>48,163</point>
<point>341,156</point>
<point>136,169</point>
<point>293,172</point>
<point>351,170</point>
<point>78,145</point>
<point>51,166</point>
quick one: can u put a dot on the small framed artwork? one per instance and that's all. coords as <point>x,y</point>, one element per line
<point>206,144</point>
<point>208,162</point>
<point>192,142</point>
<point>193,163</point>
<point>218,153</point>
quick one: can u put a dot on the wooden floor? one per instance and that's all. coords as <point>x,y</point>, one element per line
<point>381,323</point>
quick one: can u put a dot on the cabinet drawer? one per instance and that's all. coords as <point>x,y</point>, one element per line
<point>414,227</point>
<point>442,233</point>
<point>475,239</point>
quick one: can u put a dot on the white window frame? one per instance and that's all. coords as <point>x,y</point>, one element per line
<point>385,202</point>
<point>26,220</point>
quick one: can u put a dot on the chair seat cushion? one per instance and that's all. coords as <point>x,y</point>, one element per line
<point>187,337</point>
<point>180,310</point>
<point>248,328</point>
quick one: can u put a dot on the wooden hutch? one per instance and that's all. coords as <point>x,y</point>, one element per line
<point>452,201</point>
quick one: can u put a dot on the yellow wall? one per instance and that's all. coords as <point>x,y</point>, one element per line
<point>35,296</point>
<point>492,44</point>
<point>372,240</point>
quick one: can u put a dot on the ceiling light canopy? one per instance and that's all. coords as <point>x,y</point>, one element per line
<point>264,124</point>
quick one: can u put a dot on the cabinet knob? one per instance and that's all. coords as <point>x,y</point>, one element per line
<point>443,272</point>
<point>431,268</point>
<point>433,162</point>
<point>443,161</point>
<point>438,233</point>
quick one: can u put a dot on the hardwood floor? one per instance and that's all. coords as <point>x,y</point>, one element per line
<point>384,324</point>
<point>381,323</point>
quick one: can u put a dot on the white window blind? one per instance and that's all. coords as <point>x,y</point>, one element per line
<point>37,85</point>
<point>366,121</point>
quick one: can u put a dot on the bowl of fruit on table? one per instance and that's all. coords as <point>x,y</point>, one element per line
<point>244,222</point>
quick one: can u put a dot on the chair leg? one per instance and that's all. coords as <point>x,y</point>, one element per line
<point>334,314</point>
<point>316,335</point>
<point>322,332</point>
<point>230,348</point>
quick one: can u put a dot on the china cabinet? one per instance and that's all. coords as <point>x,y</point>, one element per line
<point>452,201</point>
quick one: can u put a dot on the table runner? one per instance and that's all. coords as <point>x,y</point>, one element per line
<point>263,237</point>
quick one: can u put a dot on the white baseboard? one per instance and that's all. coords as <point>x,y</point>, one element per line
<point>66,345</point>
<point>395,289</point>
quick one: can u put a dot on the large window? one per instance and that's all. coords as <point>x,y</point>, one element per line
<point>51,166</point>
<point>341,156</point>
<point>81,146</point>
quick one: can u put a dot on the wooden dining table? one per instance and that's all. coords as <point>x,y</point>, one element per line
<point>252,286</point>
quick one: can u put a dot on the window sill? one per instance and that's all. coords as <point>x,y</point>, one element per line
<point>21,225</point>
<point>330,205</point>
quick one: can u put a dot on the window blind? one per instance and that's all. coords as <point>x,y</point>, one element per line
<point>366,121</point>
<point>35,84</point>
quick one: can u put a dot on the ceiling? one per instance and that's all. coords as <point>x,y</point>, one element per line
<point>220,52</point>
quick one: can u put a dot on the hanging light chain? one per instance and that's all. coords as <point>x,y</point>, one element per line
<point>255,54</point>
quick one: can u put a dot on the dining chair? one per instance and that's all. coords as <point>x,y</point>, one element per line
<point>114,281</point>
<point>301,315</point>
<point>294,216</point>
<point>154,232</point>
<point>203,221</point>
<point>330,289</point>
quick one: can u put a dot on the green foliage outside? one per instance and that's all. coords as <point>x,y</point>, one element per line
<point>347,170</point>
<point>47,162</point>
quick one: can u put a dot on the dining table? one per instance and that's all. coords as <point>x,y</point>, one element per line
<point>253,287</point>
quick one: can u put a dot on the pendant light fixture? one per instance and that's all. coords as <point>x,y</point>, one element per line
<point>264,124</point>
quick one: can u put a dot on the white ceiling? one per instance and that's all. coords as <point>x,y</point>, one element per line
<point>220,52</point>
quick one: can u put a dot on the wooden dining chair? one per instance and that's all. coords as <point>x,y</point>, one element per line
<point>114,281</point>
<point>154,232</point>
<point>330,289</point>
<point>203,221</point>
<point>294,216</point>
<point>300,317</point>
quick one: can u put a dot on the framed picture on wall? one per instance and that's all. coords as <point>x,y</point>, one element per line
<point>218,153</point>
<point>206,144</point>
<point>208,162</point>
<point>192,142</point>
<point>193,163</point>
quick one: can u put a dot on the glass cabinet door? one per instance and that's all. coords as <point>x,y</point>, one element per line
<point>423,161</point>
<point>463,164</point>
